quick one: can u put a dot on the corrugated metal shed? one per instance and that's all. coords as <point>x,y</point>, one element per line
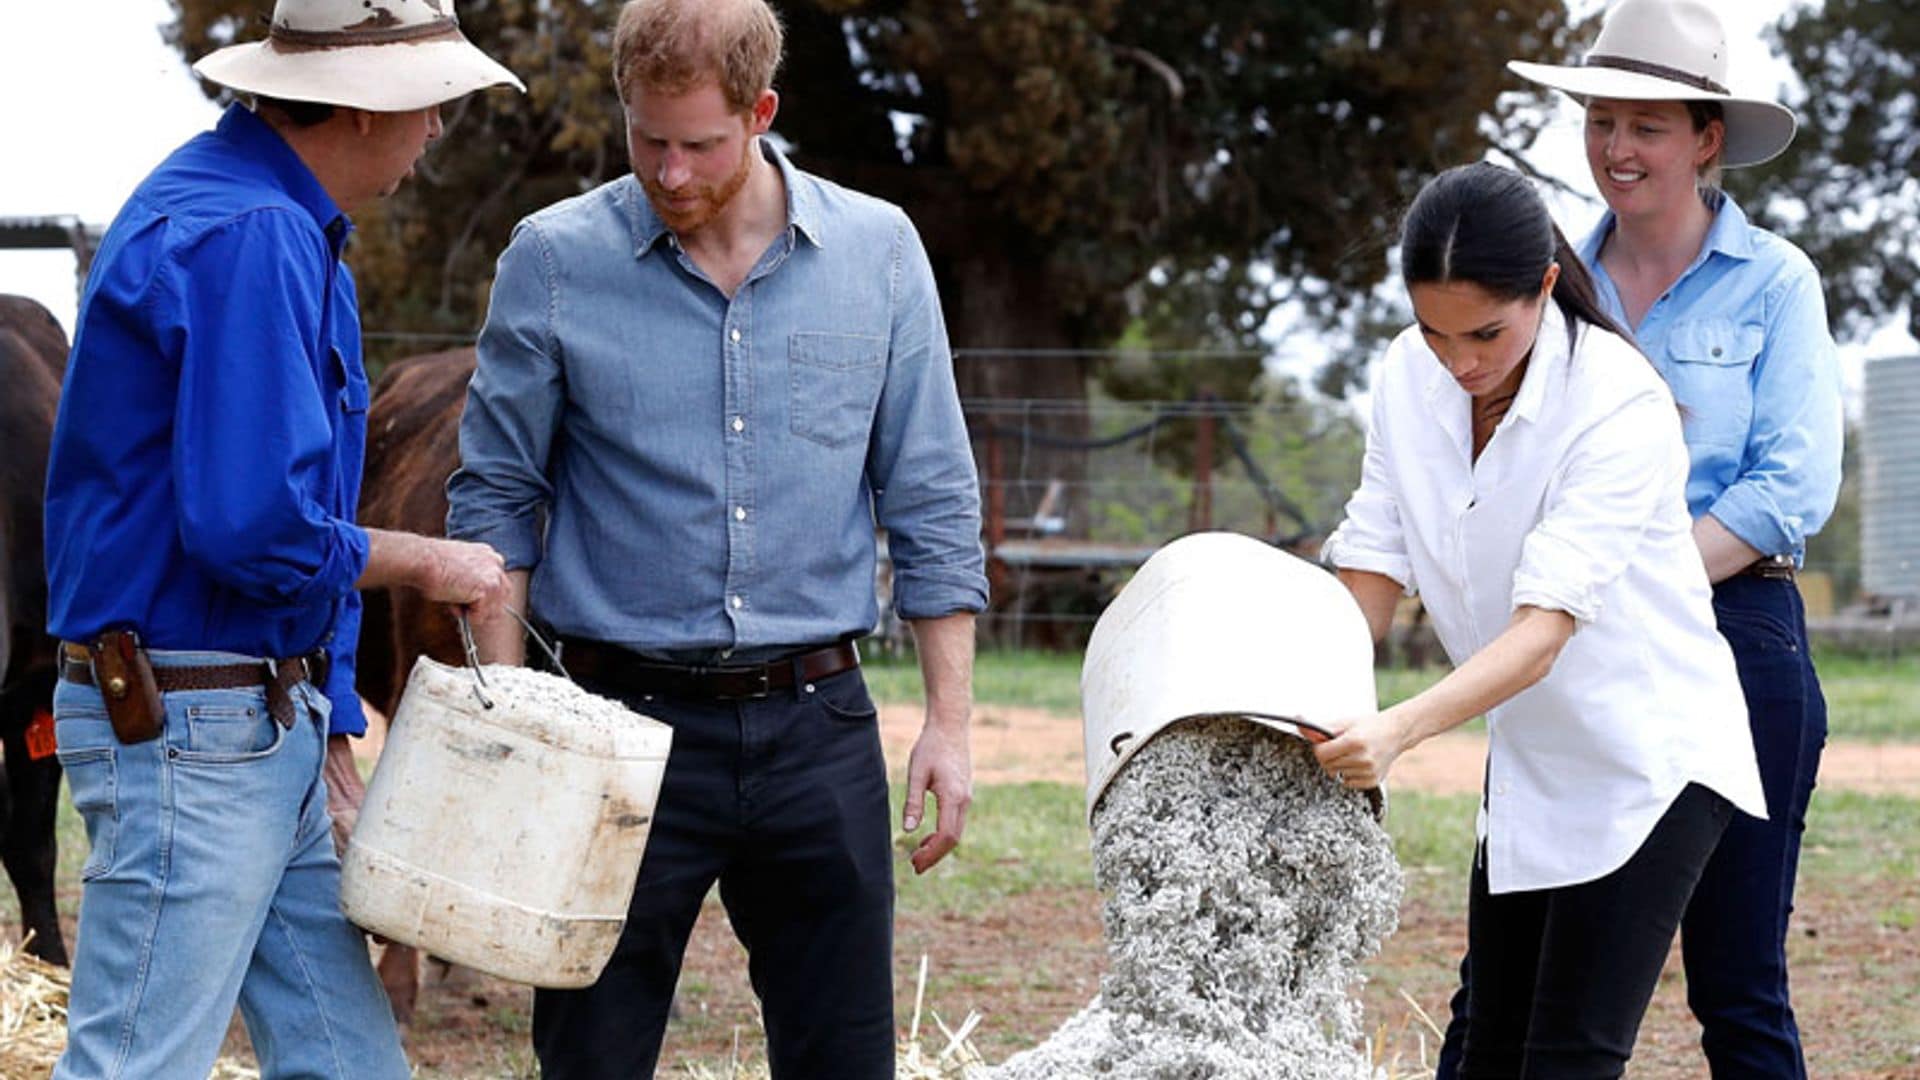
<point>1890,479</point>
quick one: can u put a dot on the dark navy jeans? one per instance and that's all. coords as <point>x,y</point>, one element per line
<point>1733,937</point>
<point>783,802</point>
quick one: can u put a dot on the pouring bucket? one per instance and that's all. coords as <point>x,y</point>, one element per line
<point>502,833</point>
<point>1220,624</point>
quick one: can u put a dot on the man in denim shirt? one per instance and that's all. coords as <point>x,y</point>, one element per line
<point>699,388</point>
<point>204,475</point>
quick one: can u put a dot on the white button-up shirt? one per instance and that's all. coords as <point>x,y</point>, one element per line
<point>1577,504</point>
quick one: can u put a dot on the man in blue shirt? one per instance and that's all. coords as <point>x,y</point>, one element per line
<point>700,387</point>
<point>202,560</point>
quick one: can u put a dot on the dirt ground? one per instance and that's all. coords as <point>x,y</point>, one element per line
<point>1015,744</point>
<point>1028,963</point>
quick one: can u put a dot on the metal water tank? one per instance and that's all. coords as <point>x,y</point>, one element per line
<point>1890,479</point>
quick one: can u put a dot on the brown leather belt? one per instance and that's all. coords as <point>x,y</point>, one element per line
<point>277,676</point>
<point>629,672</point>
<point>1773,568</point>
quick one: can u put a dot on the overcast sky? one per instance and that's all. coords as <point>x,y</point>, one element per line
<point>94,99</point>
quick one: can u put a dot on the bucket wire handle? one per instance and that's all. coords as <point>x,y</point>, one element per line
<point>473,652</point>
<point>473,658</point>
<point>552,650</point>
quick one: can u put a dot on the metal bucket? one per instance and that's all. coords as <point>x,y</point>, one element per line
<point>1220,624</point>
<point>503,838</point>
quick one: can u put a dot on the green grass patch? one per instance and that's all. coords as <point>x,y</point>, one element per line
<point>1019,838</point>
<point>1869,698</point>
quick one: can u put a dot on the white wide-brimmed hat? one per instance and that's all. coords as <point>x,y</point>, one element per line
<point>380,55</point>
<point>1670,50</point>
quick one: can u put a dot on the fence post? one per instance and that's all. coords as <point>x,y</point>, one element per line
<point>1200,513</point>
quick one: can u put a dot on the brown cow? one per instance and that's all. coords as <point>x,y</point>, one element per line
<point>413,445</point>
<point>33,355</point>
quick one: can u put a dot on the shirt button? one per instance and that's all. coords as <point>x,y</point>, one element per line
<point>739,513</point>
<point>739,423</point>
<point>735,335</point>
<point>737,602</point>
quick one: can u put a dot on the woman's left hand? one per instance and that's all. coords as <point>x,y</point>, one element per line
<point>1365,749</point>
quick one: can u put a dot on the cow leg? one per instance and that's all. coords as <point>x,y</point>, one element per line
<point>400,974</point>
<point>27,845</point>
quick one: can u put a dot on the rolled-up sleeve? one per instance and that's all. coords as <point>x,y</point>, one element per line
<point>513,407</point>
<point>919,461</point>
<point>253,438</point>
<point>1790,476</point>
<point>1599,506</point>
<point>1370,537</point>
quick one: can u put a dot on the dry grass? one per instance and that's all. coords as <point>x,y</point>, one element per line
<point>956,1058</point>
<point>33,1019</point>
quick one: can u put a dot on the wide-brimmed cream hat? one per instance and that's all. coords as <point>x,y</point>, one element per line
<point>1670,50</point>
<point>380,55</point>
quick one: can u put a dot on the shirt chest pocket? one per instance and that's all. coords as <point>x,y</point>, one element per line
<point>833,387</point>
<point>1710,366</point>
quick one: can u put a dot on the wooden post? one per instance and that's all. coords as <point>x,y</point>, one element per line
<point>1200,513</point>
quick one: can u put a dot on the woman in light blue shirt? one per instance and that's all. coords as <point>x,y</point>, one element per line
<point>1733,318</point>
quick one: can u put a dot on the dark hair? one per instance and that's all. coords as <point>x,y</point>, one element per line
<point>1486,225</point>
<point>302,114</point>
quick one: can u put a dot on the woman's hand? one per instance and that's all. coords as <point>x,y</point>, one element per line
<point>1366,748</point>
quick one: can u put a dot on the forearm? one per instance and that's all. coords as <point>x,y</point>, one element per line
<point>1724,553</point>
<point>395,560</point>
<point>1377,595</point>
<point>1521,656</point>
<point>501,639</point>
<point>945,646</point>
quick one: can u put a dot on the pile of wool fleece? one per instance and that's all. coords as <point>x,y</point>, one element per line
<point>1243,888</point>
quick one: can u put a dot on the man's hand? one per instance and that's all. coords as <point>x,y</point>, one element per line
<point>345,791</point>
<point>941,763</point>
<point>469,574</point>
<point>459,572</point>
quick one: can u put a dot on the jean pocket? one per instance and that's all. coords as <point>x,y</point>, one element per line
<point>834,383</point>
<point>223,727</point>
<point>845,698</point>
<point>1711,370</point>
<point>92,783</point>
<point>1749,630</point>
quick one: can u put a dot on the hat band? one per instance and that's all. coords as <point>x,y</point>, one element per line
<point>372,35</point>
<point>1658,71</point>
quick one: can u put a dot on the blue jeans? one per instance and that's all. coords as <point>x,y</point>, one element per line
<point>211,881</point>
<point>1733,937</point>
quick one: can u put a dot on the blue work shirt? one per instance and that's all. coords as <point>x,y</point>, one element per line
<point>690,473</point>
<point>1742,339</point>
<point>206,461</point>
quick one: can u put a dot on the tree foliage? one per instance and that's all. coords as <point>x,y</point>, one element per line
<point>1077,166</point>
<point>1848,190</point>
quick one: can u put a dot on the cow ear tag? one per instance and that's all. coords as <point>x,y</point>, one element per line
<point>40,741</point>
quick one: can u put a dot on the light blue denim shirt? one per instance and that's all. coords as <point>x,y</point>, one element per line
<point>1742,339</point>
<point>689,473</point>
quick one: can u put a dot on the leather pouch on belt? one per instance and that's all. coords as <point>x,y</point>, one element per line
<point>125,678</point>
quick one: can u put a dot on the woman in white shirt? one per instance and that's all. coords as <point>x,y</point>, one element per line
<point>1525,475</point>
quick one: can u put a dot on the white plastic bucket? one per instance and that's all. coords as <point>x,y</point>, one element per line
<point>1220,624</point>
<point>503,839</point>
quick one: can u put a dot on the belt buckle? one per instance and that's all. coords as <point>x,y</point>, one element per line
<point>759,682</point>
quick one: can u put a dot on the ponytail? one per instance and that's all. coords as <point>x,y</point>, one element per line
<point>1576,294</point>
